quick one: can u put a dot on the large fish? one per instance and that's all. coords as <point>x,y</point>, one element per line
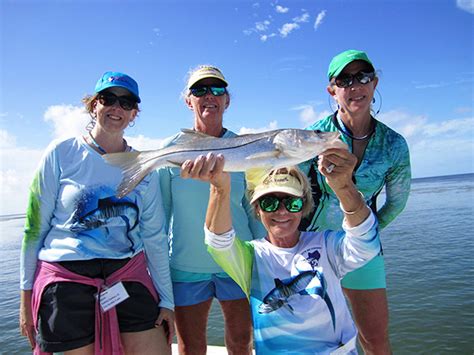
<point>267,150</point>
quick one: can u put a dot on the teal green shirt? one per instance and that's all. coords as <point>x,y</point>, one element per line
<point>386,163</point>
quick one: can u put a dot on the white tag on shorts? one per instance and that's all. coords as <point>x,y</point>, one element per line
<point>113,296</point>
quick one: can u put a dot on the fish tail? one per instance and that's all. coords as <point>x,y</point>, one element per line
<point>135,166</point>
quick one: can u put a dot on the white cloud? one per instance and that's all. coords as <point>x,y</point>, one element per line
<point>271,126</point>
<point>466,5</point>
<point>263,38</point>
<point>262,26</point>
<point>319,19</point>
<point>436,148</point>
<point>141,142</point>
<point>68,120</point>
<point>405,123</point>
<point>287,28</point>
<point>308,115</point>
<point>17,165</point>
<point>303,18</point>
<point>6,139</point>
<point>281,9</point>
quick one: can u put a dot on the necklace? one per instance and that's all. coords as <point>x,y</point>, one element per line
<point>102,150</point>
<point>347,133</point>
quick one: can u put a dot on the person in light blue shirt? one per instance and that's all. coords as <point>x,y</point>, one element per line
<point>383,161</point>
<point>76,226</point>
<point>197,279</point>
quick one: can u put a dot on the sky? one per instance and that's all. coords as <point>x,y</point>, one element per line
<point>274,54</point>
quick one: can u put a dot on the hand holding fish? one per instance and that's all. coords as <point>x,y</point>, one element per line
<point>209,168</point>
<point>337,165</point>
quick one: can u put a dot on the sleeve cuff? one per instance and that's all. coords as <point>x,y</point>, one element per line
<point>219,241</point>
<point>362,228</point>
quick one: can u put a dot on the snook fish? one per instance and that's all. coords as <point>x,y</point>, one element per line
<point>268,150</point>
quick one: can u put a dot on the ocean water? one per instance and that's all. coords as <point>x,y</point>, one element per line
<point>430,273</point>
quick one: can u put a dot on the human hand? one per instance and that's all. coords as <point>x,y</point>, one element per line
<point>337,166</point>
<point>26,318</point>
<point>207,168</point>
<point>166,319</point>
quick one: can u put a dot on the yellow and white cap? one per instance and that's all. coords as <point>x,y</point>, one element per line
<point>279,182</point>
<point>204,72</point>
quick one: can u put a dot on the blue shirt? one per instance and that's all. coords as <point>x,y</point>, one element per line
<point>185,204</point>
<point>73,214</point>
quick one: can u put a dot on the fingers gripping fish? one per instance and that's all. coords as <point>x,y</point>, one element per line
<point>268,150</point>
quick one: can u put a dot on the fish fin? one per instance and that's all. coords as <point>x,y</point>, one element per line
<point>254,176</point>
<point>194,133</point>
<point>135,166</point>
<point>278,283</point>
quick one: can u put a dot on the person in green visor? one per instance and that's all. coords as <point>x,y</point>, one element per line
<point>382,162</point>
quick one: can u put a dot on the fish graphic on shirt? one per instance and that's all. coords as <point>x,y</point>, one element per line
<point>108,208</point>
<point>298,285</point>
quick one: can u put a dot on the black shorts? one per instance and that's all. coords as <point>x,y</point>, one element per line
<point>67,310</point>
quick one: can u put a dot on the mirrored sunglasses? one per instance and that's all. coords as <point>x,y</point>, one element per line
<point>109,99</point>
<point>345,80</point>
<point>200,91</point>
<point>271,203</point>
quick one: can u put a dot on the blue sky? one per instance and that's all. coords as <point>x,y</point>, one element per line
<point>274,54</point>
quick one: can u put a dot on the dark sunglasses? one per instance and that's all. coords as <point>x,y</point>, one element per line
<point>200,91</point>
<point>109,99</point>
<point>271,203</point>
<point>346,80</point>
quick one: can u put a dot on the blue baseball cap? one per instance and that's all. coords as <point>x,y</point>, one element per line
<point>112,79</point>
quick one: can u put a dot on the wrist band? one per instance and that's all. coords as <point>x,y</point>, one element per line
<point>362,204</point>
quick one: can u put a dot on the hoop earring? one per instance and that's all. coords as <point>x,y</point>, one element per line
<point>375,113</point>
<point>131,124</point>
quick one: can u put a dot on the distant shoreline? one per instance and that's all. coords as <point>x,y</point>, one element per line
<point>455,176</point>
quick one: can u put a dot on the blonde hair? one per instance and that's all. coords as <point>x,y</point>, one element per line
<point>302,178</point>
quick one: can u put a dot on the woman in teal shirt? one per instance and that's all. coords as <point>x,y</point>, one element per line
<point>383,161</point>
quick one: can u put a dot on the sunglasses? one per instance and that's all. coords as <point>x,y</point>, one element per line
<point>109,99</point>
<point>200,91</point>
<point>270,203</point>
<point>346,80</point>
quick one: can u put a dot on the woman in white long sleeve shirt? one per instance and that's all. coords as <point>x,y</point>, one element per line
<point>292,278</point>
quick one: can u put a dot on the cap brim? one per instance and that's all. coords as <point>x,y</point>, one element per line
<point>284,189</point>
<point>198,79</point>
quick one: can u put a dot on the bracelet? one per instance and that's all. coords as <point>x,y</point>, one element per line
<point>361,206</point>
